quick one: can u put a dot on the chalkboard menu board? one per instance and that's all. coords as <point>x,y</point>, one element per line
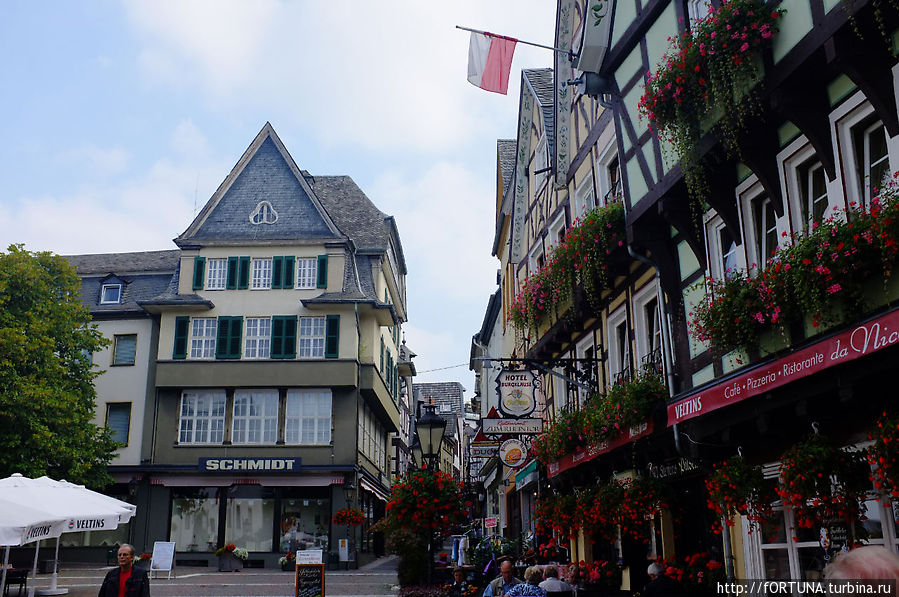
<point>310,580</point>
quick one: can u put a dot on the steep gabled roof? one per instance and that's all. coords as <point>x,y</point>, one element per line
<point>265,172</point>
<point>540,80</point>
<point>505,156</point>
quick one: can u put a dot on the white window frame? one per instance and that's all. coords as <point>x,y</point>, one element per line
<point>258,423</point>
<point>118,298</point>
<point>603,168</point>
<point>584,197</point>
<point>850,114</point>
<point>715,256</point>
<point>747,194</point>
<point>257,338</point>
<point>307,272</point>
<point>642,331</point>
<point>261,273</point>
<point>560,390</point>
<point>535,257</point>
<point>313,404</point>
<point>617,362</point>
<point>586,348</point>
<point>196,429</point>
<point>698,10</point>
<point>555,232</point>
<point>311,332</point>
<point>216,273</point>
<point>202,337</point>
<point>541,161</point>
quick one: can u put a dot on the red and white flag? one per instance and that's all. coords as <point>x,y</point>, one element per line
<point>490,61</point>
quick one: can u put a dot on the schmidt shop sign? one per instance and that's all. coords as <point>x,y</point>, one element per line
<point>256,465</point>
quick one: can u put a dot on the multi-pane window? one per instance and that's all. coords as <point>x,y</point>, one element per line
<point>619,346</point>
<point>727,251</point>
<point>697,10</point>
<point>586,354</point>
<point>202,418</point>
<point>613,173</point>
<point>311,338</point>
<point>111,294</point>
<point>258,338</point>
<point>872,157</point>
<point>118,419</point>
<point>308,417</point>
<point>653,327</point>
<point>202,337</point>
<point>262,274</point>
<point>124,349</point>
<point>584,197</point>
<point>216,273</point>
<point>764,228</point>
<point>812,191</point>
<point>307,272</point>
<point>255,417</point>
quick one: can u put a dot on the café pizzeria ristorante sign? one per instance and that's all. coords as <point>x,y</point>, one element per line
<point>867,338</point>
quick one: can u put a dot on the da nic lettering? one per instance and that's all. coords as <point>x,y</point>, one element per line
<point>688,407</point>
<point>868,338</point>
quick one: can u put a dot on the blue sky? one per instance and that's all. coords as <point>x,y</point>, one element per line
<point>120,119</point>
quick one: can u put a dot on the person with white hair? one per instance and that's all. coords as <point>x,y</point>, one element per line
<point>660,584</point>
<point>869,562</point>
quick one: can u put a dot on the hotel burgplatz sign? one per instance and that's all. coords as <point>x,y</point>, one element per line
<point>516,392</point>
<point>511,426</point>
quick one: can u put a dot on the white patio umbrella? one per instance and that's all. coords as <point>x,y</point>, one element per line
<point>82,509</point>
<point>21,524</point>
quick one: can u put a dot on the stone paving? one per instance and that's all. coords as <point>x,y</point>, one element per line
<point>373,580</point>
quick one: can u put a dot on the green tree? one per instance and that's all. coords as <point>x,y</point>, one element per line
<point>47,395</point>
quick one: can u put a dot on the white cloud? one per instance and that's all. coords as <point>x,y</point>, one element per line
<point>99,161</point>
<point>438,354</point>
<point>188,140</point>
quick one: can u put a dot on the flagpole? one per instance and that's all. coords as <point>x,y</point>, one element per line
<point>530,43</point>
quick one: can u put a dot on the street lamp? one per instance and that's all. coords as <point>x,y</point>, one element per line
<point>430,429</point>
<point>416,451</point>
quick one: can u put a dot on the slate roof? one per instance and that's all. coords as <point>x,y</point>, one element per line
<point>143,276</point>
<point>445,393</point>
<point>265,172</point>
<point>505,152</point>
<point>541,81</point>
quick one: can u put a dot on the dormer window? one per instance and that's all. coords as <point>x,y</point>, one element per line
<point>111,294</point>
<point>264,214</point>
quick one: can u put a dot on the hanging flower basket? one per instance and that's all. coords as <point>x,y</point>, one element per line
<point>428,501</point>
<point>705,80</point>
<point>822,482</point>
<point>883,457</point>
<point>350,517</point>
<point>737,488</point>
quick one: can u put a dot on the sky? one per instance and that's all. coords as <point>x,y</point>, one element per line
<point>121,118</point>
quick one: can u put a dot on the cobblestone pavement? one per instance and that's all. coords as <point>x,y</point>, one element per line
<point>373,580</point>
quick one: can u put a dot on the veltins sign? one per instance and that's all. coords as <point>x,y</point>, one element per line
<point>516,392</point>
<point>256,465</point>
<point>513,453</point>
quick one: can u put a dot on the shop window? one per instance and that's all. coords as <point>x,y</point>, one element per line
<point>308,417</point>
<point>118,420</point>
<point>216,273</point>
<point>258,338</point>
<point>584,197</point>
<point>124,349</point>
<point>111,294</point>
<point>249,517</point>
<point>304,524</point>
<point>619,347</point>
<point>202,337</point>
<point>312,338</point>
<point>262,274</point>
<point>202,419</point>
<point>195,519</point>
<point>307,272</point>
<point>255,417</point>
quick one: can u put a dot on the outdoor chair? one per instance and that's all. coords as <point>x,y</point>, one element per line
<point>16,576</point>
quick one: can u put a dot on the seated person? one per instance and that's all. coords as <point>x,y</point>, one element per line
<point>533,576</point>
<point>505,582</point>
<point>552,582</point>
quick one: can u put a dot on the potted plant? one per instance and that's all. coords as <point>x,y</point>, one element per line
<point>599,578</point>
<point>231,557</point>
<point>287,561</point>
<point>737,488</point>
<point>349,516</point>
<point>142,561</point>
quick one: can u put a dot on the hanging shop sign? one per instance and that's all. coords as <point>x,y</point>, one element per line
<point>482,446</point>
<point>674,469</point>
<point>867,338</point>
<point>570,461</point>
<point>516,392</point>
<point>511,426</point>
<point>257,465</point>
<point>513,453</point>
<point>491,522</point>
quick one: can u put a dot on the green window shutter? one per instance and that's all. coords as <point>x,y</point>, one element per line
<point>277,272</point>
<point>182,325</point>
<point>289,269</point>
<point>382,353</point>
<point>243,275</point>
<point>322,281</point>
<point>277,347</point>
<point>284,337</point>
<point>290,337</point>
<point>232,273</point>
<point>332,335</point>
<point>199,272</point>
<point>235,337</point>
